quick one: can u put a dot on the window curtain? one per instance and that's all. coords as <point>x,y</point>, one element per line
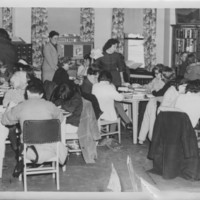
<point>87,25</point>
<point>149,32</point>
<point>118,27</point>
<point>7,23</point>
<point>39,34</point>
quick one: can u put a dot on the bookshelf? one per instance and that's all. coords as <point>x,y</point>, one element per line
<point>186,40</point>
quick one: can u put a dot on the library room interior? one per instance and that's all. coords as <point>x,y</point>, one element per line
<point>96,99</point>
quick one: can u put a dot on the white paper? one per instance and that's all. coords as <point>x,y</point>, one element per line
<point>136,51</point>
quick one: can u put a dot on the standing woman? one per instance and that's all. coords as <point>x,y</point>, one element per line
<point>112,62</point>
<point>51,54</point>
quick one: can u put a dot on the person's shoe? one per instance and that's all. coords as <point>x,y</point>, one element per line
<point>141,142</point>
<point>18,169</point>
<point>129,126</point>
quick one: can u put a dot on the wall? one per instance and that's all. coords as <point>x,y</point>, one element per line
<point>133,20</point>
<point>1,18</point>
<point>64,20</point>
<point>160,35</point>
<point>103,24</point>
<point>167,40</point>
<point>165,18</point>
<point>22,23</point>
<point>67,20</point>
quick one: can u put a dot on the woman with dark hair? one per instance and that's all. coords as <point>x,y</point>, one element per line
<point>61,75</point>
<point>112,62</point>
<point>168,75</point>
<point>51,53</point>
<point>157,83</point>
<point>69,99</point>
<point>8,53</point>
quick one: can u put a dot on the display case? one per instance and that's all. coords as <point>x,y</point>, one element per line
<point>75,49</point>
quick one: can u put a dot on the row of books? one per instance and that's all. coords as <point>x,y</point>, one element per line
<point>178,58</point>
<point>187,45</point>
<point>187,33</point>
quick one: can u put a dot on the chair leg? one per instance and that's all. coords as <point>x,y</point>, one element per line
<point>20,177</point>
<point>119,130</point>
<point>64,168</point>
<point>54,166</point>
<point>57,176</point>
<point>1,166</point>
<point>25,180</point>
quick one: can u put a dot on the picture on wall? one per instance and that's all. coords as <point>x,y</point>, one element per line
<point>187,16</point>
<point>78,51</point>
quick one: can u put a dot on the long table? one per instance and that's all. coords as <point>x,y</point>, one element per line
<point>133,113</point>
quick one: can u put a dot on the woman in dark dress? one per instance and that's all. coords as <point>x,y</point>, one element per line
<point>112,62</point>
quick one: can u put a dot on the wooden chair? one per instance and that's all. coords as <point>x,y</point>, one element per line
<point>104,126</point>
<point>41,132</point>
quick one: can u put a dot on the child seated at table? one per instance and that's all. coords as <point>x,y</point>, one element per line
<point>82,69</point>
<point>61,75</point>
<point>157,83</point>
<point>167,101</point>
<point>106,95</point>
<point>5,74</point>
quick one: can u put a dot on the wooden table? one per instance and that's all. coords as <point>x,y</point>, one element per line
<point>133,113</point>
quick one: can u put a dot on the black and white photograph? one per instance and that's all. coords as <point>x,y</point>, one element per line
<point>99,99</point>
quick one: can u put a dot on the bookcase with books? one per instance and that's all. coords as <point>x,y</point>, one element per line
<point>186,40</point>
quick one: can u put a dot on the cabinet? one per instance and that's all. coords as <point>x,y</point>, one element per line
<point>185,40</point>
<point>24,51</point>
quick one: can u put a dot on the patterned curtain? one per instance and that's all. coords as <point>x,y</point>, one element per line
<point>7,20</point>
<point>87,25</point>
<point>149,32</point>
<point>118,27</point>
<point>39,34</point>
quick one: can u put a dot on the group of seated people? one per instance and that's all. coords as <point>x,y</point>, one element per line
<point>30,98</point>
<point>173,89</point>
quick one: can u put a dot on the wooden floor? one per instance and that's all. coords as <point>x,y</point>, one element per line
<point>81,177</point>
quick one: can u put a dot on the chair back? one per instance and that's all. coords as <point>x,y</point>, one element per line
<point>41,131</point>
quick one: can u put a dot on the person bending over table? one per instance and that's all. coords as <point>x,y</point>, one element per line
<point>149,117</point>
<point>86,88</point>
<point>35,108</point>
<point>69,99</point>
<point>157,83</point>
<point>15,95</point>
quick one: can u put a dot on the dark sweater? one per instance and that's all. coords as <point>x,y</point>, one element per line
<point>61,76</point>
<point>162,91</point>
<point>86,86</point>
<point>74,106</point>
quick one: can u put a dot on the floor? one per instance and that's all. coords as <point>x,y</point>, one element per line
<point>81,177</point>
